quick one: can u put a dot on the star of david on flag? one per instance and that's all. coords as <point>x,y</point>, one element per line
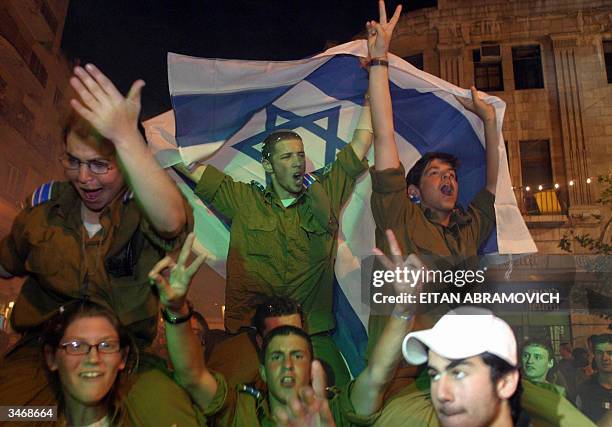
<point>223,109</point>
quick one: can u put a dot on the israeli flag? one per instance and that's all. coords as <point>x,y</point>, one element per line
<point>223,109</point>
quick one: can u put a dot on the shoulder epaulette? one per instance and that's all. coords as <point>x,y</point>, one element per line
<point>129,195</point>
<point>252,391</point>
<point>324,170</point>
<point>42,194</point>
<point>309,179</point>
<point>259,186</point>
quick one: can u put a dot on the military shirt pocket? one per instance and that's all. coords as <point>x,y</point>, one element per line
<point>319,238</point>
<point>261,236</point>
<point>51,270</point>
<point>43,261</point>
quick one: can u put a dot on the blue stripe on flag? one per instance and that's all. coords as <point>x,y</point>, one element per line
<point>350,334</point>
<point>428,122</point>
<point>424,120</point>
<point>206,118</point>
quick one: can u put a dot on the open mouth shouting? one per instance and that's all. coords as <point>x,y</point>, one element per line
<point>287,381</point>
<point>91,195</point>
<point>298,178</point>
<point>447,190</point>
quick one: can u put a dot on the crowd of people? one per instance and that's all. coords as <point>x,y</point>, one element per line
<point>103,259</point>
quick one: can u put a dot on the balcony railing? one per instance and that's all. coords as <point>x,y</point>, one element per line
<point>542,200</point>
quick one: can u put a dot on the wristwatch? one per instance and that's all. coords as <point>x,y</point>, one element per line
<point>173,319</point>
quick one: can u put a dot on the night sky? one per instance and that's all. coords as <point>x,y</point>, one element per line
<point>130,39</point>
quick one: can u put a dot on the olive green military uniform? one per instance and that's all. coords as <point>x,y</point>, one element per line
<point>236,359</point>
<point>418,231</point>
<point>545,408</point>
<point>241,407</point>
<point>63,265</point>
<point>289,251</point>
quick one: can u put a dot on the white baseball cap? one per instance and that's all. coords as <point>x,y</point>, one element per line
<point>461,333</point>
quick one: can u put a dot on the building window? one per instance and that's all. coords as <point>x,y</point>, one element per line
<point>49,16</point>
<point>416,60</point>
<point>24,123</point>
<point>537,177</point>
<point>607,48</point>
<point>527,64</point>
<point>536,167</point>
<point>14,182</point>
<point>57,97</point>
<point>38,69</point>
<point>488,76</point>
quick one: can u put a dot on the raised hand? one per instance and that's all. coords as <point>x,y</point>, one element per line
<point>173,279</point>
<point>476,105</point>
<point>102,105</point>
<point>310,407</point>
<point>379,33</point>
<point>412,262</point>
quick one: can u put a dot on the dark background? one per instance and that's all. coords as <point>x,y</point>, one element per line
<point>130,39</point>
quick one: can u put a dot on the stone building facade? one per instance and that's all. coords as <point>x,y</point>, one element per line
<point>34,98</point>
<point>551,62</point>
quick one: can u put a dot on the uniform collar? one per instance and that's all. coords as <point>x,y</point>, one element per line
<point>270,195</point>
<point>68,206</point>
<point>458,216</point>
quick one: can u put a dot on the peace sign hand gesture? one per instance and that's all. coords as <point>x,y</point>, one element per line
<point>173,279</point>
<point>412,262</point>
<point>309,407</point>
<point>379,33</point>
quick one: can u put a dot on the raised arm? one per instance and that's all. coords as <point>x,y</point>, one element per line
<point>486,113</point>
<point>362,138</point>
<point>116,118</point>
<point>379,36</point>
<point>370,385</point>
<point>184,348</point>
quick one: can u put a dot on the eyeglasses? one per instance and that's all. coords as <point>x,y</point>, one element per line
<point>98,167</point>
<point>81,347</point>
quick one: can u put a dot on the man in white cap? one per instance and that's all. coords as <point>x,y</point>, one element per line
<point>472,363</point>
<point>473,368</point>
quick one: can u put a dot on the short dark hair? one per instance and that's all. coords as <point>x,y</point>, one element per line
<point>275,137</point>
<point>416,172</point>
<point>275,306</point>
<point>75,123</point>
<point>499,367</point>
<point>53,333</point>
<point>284,330</point>
<point>542,344</point>
<point>601,339</point>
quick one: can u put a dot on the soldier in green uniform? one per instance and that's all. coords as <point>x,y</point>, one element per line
<point>537,359</point>
<point>286,361</point>
<point>436,229</point>
<point>283,238</point>
<point>95,238</point>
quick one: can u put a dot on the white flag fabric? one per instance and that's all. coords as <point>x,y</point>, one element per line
<point>223,109</point>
